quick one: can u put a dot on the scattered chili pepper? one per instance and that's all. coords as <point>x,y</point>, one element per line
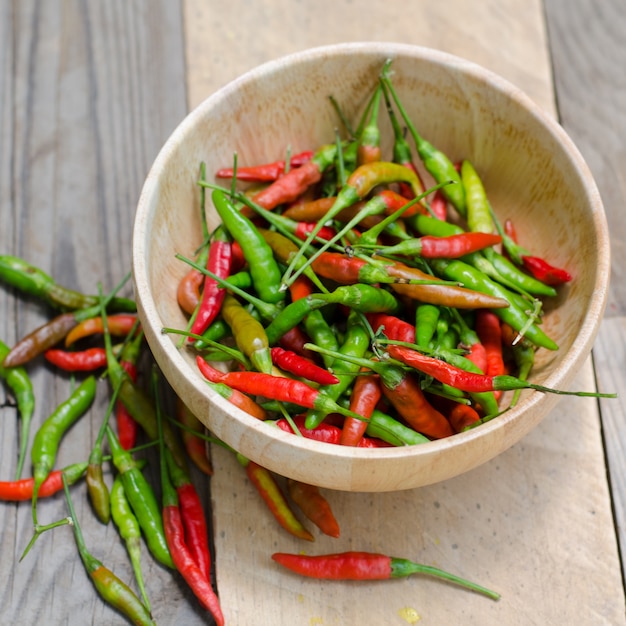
<point>127,427</point>
<point>24,488</point>
<point>128,526</point>
<point>48,437</point>
<point>314,506</point>
<point>299,366</point>
<point>194,445</point>
<point>367,566</point>
<point>120,325</point>
<point>77,361</point>
<point>142,500</point>
<point>111,589</point>
<point>266,172</point>
<point>267,487</point>
<point>19,382</point>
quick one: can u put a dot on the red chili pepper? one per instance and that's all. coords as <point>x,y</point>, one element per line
<point>80,361</point>
<point>294,341</point>
<point>488,329</point>
<point>545,272</point>
<point>300,366</point>
<point>461,416</point>
<point>366,393</point>
<point>439,205</point>
<point>325,432</point>
<point>188,292</point>
<point>366,566</point>
<point>127,426</point>
<point>266,172</point>
<point>219,263</point>
<point>314,506</point>
<point>264,482</point>
<point>448,247</point>
<point>120,324</point>
<point>194,445</point>
<point>393,327</point>
<point>239,399</point>
<point>22,489</point>
<point>304,228</point>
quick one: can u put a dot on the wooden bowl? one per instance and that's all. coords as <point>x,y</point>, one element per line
<point>532,172</point>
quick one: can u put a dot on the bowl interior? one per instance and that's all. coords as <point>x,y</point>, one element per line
<point>533,175</point>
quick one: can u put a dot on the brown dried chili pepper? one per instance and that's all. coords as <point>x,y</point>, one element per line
<point>265,172</point>
<point>366,393</point>
<point>302,367</point>
<point>367,566</point>
<point>267,487</point>
<point>314,506</point>
<point>290,186</point>
<point>120,325</point>
<point>23,489</point>
<point>194,445</point>
<point>111,589</point>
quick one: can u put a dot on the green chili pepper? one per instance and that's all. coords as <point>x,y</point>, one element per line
<point>128,526</point>
<point>249,334</point>
<point>512,315</point>
<point>355,344</point>
<point>111,589</point>
<point>33,281</point>
<point>392,431</point>
<point>18,380</point>
<point>142,500</point>
<point>426,318</point>
<point>48,436</point>
<point>263,266</point>
<point>478,212</point>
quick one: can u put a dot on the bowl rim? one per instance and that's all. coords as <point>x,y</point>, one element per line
<point>578,352</point>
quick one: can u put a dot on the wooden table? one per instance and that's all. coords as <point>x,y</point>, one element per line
<point>88,93</point>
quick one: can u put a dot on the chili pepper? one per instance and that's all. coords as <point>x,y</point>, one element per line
<point>272,387</point>
<point>359,297</point>
<point>120,325</point>
<point>310,211</point>
<point>426,318</point>
<point>355,343</point>
<point>314,506</point>
<point>512,315</point>
<point>263,266</point>
<point>267,487</point>
<point>435,161</point>
<point>451,247</point>
<point>249,334</point>
<point>188,292</point>
<point>467,297</point>
<point>368,150</point>
<point>111,589</point>
<point>23,489</point>
<point>126,425</point>
<point>77,361</point>
<point>219,262</point>
<point>393,327</point>
<point>299,366</point>
<point>439,205</point>
<point>347,270</point>
<point>290,186</point>
<point>266,172</point>
<point>490,334</point>
<point>142,500</point>
<point>461,416</point>
<point>469,341</point>
<point>128,526</point>
<point>194,445</point>
<point>192,517</point>
<point>470,381</point>
<point>19,382</point>
<point>324,432</point>
<point>50,333</point>
<point>404,392</point>
<point>364,398</point>
<point>478,210</point>
<point>367,566</point>
<point>358,185</point>
<point>48,436</point>
<point>34,281</point>
<point>538,267</point>
<point>386,428</point>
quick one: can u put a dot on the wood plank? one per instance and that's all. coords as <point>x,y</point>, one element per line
<point>515,523</point>
<point>587,44</point>
<point>88,94</point>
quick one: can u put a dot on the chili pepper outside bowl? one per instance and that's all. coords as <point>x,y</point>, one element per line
<point>531,170</point>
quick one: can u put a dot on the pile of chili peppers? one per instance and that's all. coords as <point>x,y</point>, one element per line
<point>339,300</point>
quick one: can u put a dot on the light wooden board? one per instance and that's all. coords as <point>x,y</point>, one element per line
<point>532,522</point>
